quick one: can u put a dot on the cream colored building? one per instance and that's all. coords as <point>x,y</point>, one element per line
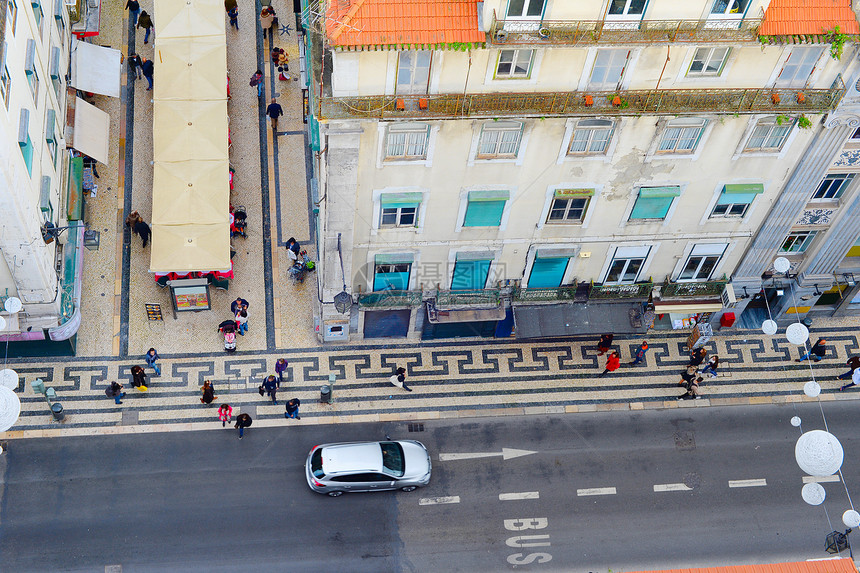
<point>556,167</point>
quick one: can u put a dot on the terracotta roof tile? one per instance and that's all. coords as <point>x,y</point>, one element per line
<point>787,17</point>
<point>826,566</point>
<point>373,22</point>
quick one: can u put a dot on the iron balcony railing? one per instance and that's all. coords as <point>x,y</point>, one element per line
<point>606,32</point>
<point>692,289</point>
<point>577,104</point>
<point>544,294</point>
<point>478,297</point>
<point>390,298</point>
<point>638,290</point>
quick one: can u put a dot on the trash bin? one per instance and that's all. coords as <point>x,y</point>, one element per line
<point>807,322</point>
<point>325,394</point>
<point>38,386</point>
<point>57,411</point>
<point>728,319</point>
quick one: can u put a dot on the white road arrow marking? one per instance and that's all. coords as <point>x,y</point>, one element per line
<point>506,453</point>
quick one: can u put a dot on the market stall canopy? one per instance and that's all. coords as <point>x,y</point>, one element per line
<point>191,70</point>
<point>194,192</point>
<point>190,247</point>
<point>91,132</point>
<point>190,130</point>
<point>193,19</point>
<point>96,69</point>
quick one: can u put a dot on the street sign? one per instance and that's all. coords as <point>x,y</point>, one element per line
<point>153,312</point>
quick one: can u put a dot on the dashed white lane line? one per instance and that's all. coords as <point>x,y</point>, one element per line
<point>522,495</point>
<point>672,487</point>
<point>747,482</point>
<point>820,479</point>
<point>439,500</point>
<point>596,491</point>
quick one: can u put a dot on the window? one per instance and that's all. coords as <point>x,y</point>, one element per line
<point>701,262</point>
<point>856,134</point>
<point>682,135</point>
<point>485,208</point>
<point>798,67</point>
<point>500,139</point>
<point>591,136</point>
<point>413,71</point>
<point>391,272</point>
<point>569,205</point>
<point>608,69</point>
<point>407,141</point>
<point>548,271</point>
<point>626,264</point>
<point>30,69</point>
<point>24,141</point>
<point>4,83</point>
<point>626,7</point>
<point>769,135</point>
<point>55,70</point>
<point>525,8</point>
<point>399,209</point>
<point>735,200</point>
<point>50,137</point>
<point>38,15</point>
<point>797,242</point>
<point>654,202</point>
<point>730,7</point>
<point>12,14</point>
<point>833,185</point>
<point>471,271</point>
<point>708,61</point>
<point>45,205</point>
<point>514,64</point>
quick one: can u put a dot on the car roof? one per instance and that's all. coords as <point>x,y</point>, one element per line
<point>340,458</point>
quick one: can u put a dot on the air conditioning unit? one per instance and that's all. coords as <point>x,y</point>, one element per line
<point>728,296</point>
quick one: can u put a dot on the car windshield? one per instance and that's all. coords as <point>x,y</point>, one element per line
<point>316,464</point>
<point>392,458</point>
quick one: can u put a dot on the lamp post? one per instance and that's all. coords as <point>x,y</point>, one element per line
<point>91,238</point>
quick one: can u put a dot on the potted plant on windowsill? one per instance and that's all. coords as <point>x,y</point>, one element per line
<point>589,101</point>
<point>801,97</point>
<point>774,98</point>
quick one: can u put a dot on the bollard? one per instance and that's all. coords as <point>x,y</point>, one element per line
<point>325,394</point>
<point>57,411</point>
<point>38,386</point>
<point>51,394</point>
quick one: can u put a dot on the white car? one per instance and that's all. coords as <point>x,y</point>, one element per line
<point>367,466</point>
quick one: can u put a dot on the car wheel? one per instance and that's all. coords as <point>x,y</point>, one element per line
<point>335,493</point>
<point>409,488</point>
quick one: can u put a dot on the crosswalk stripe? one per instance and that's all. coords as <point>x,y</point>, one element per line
<point>820,479</point>
<point>523,495</point>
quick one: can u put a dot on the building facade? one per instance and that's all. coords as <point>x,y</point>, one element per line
<point>543,168</point>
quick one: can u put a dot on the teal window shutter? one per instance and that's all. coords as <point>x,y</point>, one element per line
<point>485,208</point>
<point>394,200</point>
<point>548,273</point>
<point>470,275</point>
<point>654,202</point>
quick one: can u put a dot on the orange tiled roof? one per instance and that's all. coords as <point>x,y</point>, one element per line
<point>381,22</point>
<point>826,566</point>
<point>787,17</point>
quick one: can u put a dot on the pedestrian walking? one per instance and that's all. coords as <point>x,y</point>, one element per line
<point>238,304</point>
<point>225,412</point>
<point>233,14</point>
<point>816,352</point>
<point>145,22</point>
<point>208,393</point>
<point>151,357</point>
<point>138,378</point>
<point>243,421</point>
<point>271,385</point>
<point>133,7</point>
<point>688,375</point>
<point>639,356</point>
<point>280,368</point>
<point>612,362</point>
<point>697,356</point>
<point>267,17</point>
<point>692,392</point>
<point>399,379</point>
<point>242,322</point>
<point>115,391</point>
<point>134,64</point>
<point>148,69</point>
<point>230,4</point>
<point>274,111</point>
<point>257,82</point>
<point>604,344</point>
<point>853,363</point>
<point>855,379</point>
<point>292,409</point>
<point>710,368</point>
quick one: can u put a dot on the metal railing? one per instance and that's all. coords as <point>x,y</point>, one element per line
<point>390,298</point>
<point>545,294</point>
<point>638,290</point>
<point>576,104</point>
<point>484,297</point>
<point>692,289</point>
<point>595,32</point>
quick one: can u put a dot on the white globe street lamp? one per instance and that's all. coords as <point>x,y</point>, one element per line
<point>818,453</point>
<point>797,333</point>
<point>10,408</point>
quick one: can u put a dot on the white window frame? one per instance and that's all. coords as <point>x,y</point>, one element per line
<point>771,123</point>
<point>741,150</point>
<point>727,13</point>
<point>382,158</point>
<point>12,14</point>
<point>709,50</point>
<point>371,264</point>
<point>796,82</point>
<point>845,182</point>
<point>411,87</point>
<point>535,250</point>
<point>516,53</point>
<point>566,220</point>
<point>702,250</point>
<point>708,215</point>
<point>549,197</point>
<point>811,235</point>
<point>376,216</point>
<point>478,132</point>
<point>628,251</point>
<point>570,127</point>
<point>582,126</point>
<point>634,196</point>
<point>523,15</point>
<point>493,134</point>
<point>685,127</point>
<point>614,53</point>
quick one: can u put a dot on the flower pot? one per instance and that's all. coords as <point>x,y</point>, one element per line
<point>801,97</point>
<point>589,101</point>
<point>543,33</point>
<point>774,98</point>
<point>616,101</point>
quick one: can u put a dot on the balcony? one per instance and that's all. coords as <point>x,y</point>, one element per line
<point>582,104</point>
<point>468,298</point>
<point>390,298</point>
<point>638,290</point>
<point>603,32</point>
<point>556,294</point>
<point>712,289</point>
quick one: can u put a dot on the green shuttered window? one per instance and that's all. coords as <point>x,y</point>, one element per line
<point>654,202</point>
<point>485,208</point>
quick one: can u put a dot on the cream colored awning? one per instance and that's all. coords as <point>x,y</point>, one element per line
<point>691,308</point>
<point>91,134</point>
<point>191,70</point>
<point>190,130</point>
<point>197,190</point>
<point>95,69</point>
<point>182,19</point>
<point>189,247</point>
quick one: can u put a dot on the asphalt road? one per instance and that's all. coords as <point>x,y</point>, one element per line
<point>585,501</point>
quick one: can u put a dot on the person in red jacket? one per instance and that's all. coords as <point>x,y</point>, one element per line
<point>612,362</point>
